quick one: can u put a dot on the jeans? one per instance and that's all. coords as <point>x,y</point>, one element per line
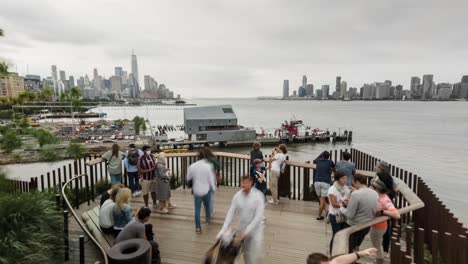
<point>335,228</point>
<point>387,236</point>
<point>133,181</point>
<point>206,200</point>
<point>211,202</point>
<point>116,179</point>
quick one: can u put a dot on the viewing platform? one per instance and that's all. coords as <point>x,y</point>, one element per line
<point>426,230</point>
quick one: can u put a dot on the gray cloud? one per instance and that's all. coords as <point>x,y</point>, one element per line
<point>240,48</point>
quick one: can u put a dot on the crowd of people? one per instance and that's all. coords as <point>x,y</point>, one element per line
<point>345,199</point>
<point>147,175</point>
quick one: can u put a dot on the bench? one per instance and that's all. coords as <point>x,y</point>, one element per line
<point>91,220</point>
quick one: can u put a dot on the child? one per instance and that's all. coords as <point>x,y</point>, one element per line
<point>258,173</point>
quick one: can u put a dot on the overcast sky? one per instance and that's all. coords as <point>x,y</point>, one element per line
<point>217,48</point>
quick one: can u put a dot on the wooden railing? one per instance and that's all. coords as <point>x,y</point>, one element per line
<point>430,231</point>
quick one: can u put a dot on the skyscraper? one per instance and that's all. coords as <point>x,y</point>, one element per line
<point>338,84</point>
<point>325,91</point>
<point>414,87</point>
<point>118,71</point>
<point>343,87</point>
<point>96,80</point>
<point>285,88</point>
<point>116,83</point>
<point>71,80</point>
<point>63,77</point>
<point>304,81</point>
<point>55,79</point>
<point>427,86</point>
<point>310,90</point>
<point>136,79</point>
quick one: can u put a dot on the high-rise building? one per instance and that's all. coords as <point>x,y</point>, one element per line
<point>398,92</point>
<point>325,91</point>
<point>304,81</point>
<point>96,79</point>
<point>11,85</point>
<point>301,91</point>
<point>71,80</point>
<point>382,90</point>
<point>285,88</point>
<point>55,80</point>
<point>318,93</point>
<point>63,77</point>
<point>118,71</point>
<point>136,79</point>
<point>80,83</point>
<point>427,86</point>
<point>343,88</point>
<point>309,90</point>
<point>415,87</point>
<point>32,83</point>
<point>116,83</point>
<point>338,84</point>
<point>443,91</point>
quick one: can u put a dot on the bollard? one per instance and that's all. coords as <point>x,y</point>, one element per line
<point>57,201</point>
<point>82,255</point>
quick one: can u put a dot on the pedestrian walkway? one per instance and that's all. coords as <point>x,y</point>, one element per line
<point>291,231</point>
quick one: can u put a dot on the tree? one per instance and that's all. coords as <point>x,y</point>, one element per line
<point>75,151</point>
<point>46,94</point>
<point>138,122</point>
<point>44,137</point>
<point>10,140</point>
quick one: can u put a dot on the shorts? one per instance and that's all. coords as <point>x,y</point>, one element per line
<point>148,186</point>
<point>321,189</point>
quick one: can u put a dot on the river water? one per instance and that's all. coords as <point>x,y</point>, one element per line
<point>426,138</point>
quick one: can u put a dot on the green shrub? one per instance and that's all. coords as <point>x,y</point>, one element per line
<point>75,151</point>
<point>30,228</point>
<point>102,186</point>
<point>49,155</point>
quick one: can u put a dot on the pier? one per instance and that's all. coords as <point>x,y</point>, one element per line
<point>427,229</point>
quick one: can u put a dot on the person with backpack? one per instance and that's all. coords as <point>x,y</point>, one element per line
<point>146,168</point>
<point>131,161</point>
<point>113,159</point>
<point>278,163</point>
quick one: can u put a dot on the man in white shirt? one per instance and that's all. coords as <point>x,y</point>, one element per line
<point>203,186</point>
<point>248,204</point>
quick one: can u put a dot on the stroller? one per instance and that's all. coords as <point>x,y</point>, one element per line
<point>224,251</point>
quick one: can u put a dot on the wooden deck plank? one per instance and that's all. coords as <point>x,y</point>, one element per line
<point>291,232</point>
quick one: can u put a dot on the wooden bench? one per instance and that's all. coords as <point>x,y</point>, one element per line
<point>91,220</point>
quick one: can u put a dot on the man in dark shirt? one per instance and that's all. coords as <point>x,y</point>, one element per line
<point>323,171</point>
<point>137,229</point>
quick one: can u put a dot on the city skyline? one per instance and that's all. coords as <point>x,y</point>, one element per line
<point>239,57</point>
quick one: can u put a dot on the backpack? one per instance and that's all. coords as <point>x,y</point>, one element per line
<point>283,166</point>
<point>133,157</point>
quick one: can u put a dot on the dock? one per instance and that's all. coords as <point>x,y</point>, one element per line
<point>291,231</point>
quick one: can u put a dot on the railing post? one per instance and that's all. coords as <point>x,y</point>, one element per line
<point>65,235</point>
<point>57,201</point>
<point>82,255</point>
<point>419,246</point>
<point>91,170</point>
<point>77,194</point>
<point>434,248</point>
<point>87,189</point>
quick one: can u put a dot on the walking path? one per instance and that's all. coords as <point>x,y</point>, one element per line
<point>291,231</point>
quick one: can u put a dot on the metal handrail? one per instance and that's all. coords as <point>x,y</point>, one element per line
<point>80,223</point>
<point>341,240</point>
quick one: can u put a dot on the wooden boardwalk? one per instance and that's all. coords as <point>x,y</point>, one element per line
<point>291,231</point>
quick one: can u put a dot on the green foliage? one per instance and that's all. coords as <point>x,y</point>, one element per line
<point>139,122</point>
<point>44,137</point>
<point>30,228</point>
<point>75,151</point>
<point>6,114</point>
<point>3,68</point>
<point>102,186</point>
<point>10,140</point>
<point>49,155</point>
<point>46,94</point>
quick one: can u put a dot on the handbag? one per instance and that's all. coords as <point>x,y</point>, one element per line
<point>340,218</point>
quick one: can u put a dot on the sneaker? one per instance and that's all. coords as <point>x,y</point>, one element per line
<point>134,194</point>
<point>163,211</point>
<point>198,230</point>
<point>320,218</point>
<point>137,193</point>
<point>271,201</point>
<point>155,205</point>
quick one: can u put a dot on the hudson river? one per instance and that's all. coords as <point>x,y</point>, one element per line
<point>426,138</point>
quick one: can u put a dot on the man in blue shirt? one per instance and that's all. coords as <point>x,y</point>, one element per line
<point>347,167</point>
<point>324,167</point>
